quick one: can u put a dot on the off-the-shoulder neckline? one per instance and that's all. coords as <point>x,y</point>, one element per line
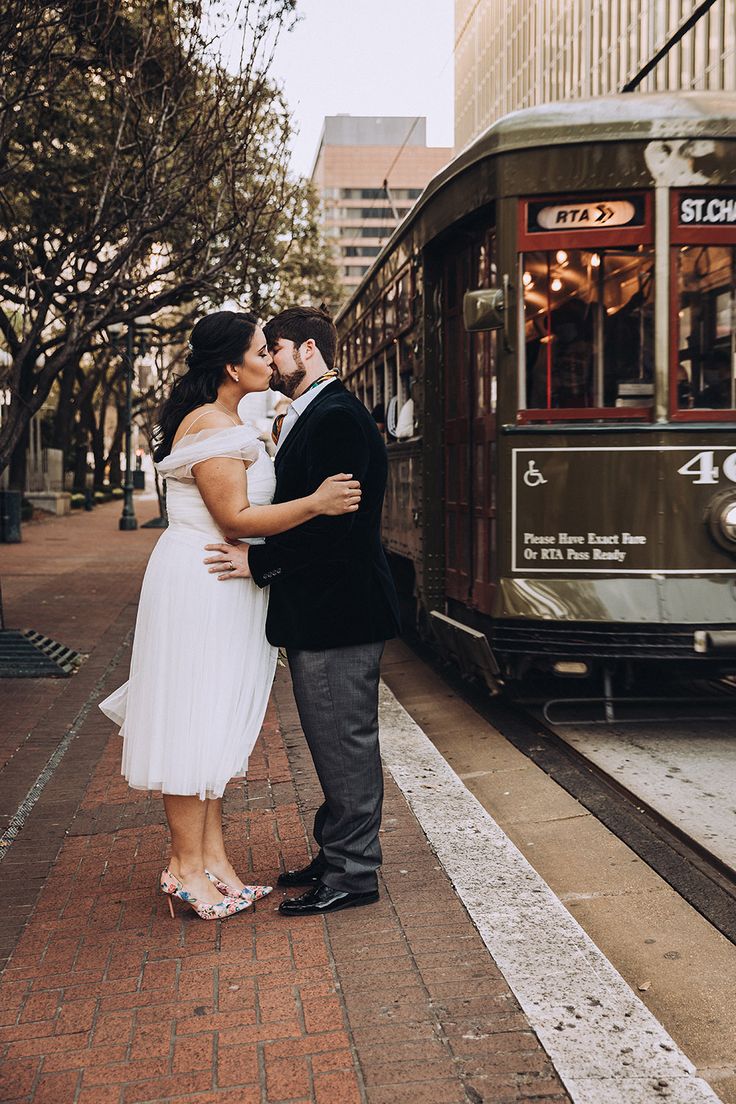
<point>223,429</point>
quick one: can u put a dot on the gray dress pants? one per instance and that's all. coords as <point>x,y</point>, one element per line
<point>336,693</point>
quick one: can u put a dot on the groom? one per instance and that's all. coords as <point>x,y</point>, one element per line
<point>332,606</point>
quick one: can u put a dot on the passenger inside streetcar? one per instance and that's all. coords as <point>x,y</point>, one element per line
<point>717,374</point>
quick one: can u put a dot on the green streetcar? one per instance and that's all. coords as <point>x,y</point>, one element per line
<point>551,336</point>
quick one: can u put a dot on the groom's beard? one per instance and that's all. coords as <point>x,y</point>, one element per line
<point>288,385</point>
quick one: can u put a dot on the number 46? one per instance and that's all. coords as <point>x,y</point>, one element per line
<point>702,465</point>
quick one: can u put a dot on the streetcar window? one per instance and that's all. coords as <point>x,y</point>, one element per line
<point>589,327</point>
<point>378,334</point>
<point>485,345</point>
<point>706,364</point>
<point>367,334</point>
<point>390,312</point>
<point>406,372</point>
<point>403,302</point>
<point>418,272</point>
<point>357,355</point>
<point>390,374</point>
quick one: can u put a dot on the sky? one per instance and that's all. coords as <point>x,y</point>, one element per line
<point>367,57</point>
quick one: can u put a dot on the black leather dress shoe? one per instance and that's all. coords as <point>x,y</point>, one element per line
<point>307,876</point>
<point>323,899</point>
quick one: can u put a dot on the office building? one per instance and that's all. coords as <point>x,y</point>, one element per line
<point>356,154</point>
<point>511,54</point>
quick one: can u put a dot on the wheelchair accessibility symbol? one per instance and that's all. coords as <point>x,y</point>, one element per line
<point>532,476</point>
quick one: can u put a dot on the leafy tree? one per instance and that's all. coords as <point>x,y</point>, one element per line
<point>140,174</point>
<point>305,270</point>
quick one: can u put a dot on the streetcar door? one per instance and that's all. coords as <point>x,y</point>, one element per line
<point>483,367</point>
<point>456,361</point>
<point>469,378</point>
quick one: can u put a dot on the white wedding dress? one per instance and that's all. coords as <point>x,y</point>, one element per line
<point>201,669</point>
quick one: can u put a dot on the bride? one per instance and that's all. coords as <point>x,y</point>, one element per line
<point>201,668</point>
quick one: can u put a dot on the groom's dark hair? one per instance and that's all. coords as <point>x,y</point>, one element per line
<point>299,324</point>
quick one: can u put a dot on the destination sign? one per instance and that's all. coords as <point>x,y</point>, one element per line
<point>592,214</point>
<point>709,210</point>
<point>572,514</point>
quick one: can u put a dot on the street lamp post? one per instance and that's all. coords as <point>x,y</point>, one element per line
<point>128,520</point>
<point>136,328</point>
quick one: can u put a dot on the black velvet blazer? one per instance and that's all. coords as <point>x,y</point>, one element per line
<point>330,583</point>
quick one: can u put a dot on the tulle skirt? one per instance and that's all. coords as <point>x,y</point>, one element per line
<point>200,677</point>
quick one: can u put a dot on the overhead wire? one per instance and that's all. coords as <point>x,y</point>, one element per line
<point>384,186</point>
<point>687,25</point>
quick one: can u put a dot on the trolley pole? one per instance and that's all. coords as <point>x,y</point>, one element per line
<point>128,520</point>
<point>681,31</point>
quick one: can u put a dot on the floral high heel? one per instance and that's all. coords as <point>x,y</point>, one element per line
<point>250,893</point>
<point>173,887</point>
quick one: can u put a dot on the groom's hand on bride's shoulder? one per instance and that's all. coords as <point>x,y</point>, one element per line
<point>230,561</point>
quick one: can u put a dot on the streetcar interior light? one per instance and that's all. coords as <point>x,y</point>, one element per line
<point>561,256</point>
<point>527,279</point>
<point>570,667</point>
<point>556,284</point>
<point>595,260</point>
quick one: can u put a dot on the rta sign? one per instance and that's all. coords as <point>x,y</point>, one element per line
<point>617,213</point>
<point>567,214</point>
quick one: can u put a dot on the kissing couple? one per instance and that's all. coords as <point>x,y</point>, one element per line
<point>298,542</point>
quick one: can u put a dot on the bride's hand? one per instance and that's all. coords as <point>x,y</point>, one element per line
<point>340,494</point>
<point>231,559</point>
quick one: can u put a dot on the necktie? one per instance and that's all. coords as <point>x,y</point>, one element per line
<point>276,427</point>
<point>278,421</point>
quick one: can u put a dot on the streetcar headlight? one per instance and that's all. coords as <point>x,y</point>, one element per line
<point>720,518</point>
<point>727,521</point>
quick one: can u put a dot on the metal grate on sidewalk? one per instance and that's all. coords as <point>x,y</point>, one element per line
<point>30,654</point>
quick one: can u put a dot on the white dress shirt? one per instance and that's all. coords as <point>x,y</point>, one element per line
<point>298,407</point>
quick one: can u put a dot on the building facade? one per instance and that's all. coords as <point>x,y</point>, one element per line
<point>511,54</point>
<point>356,154</point>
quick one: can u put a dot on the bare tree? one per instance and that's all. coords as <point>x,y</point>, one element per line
<point>141,169</point>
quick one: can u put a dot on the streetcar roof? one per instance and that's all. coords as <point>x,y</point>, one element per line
<point>629,116</point>
<point>632,116</point>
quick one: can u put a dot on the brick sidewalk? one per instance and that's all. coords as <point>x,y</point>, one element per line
<point>105,998</point>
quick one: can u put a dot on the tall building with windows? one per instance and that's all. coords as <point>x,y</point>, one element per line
<point>356,154</point>
<point>511,54</point>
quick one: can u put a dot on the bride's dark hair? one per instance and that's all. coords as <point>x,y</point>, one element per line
<point>217,340</point>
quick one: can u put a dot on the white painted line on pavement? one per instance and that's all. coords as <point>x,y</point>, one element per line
<point>606,1046</point>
